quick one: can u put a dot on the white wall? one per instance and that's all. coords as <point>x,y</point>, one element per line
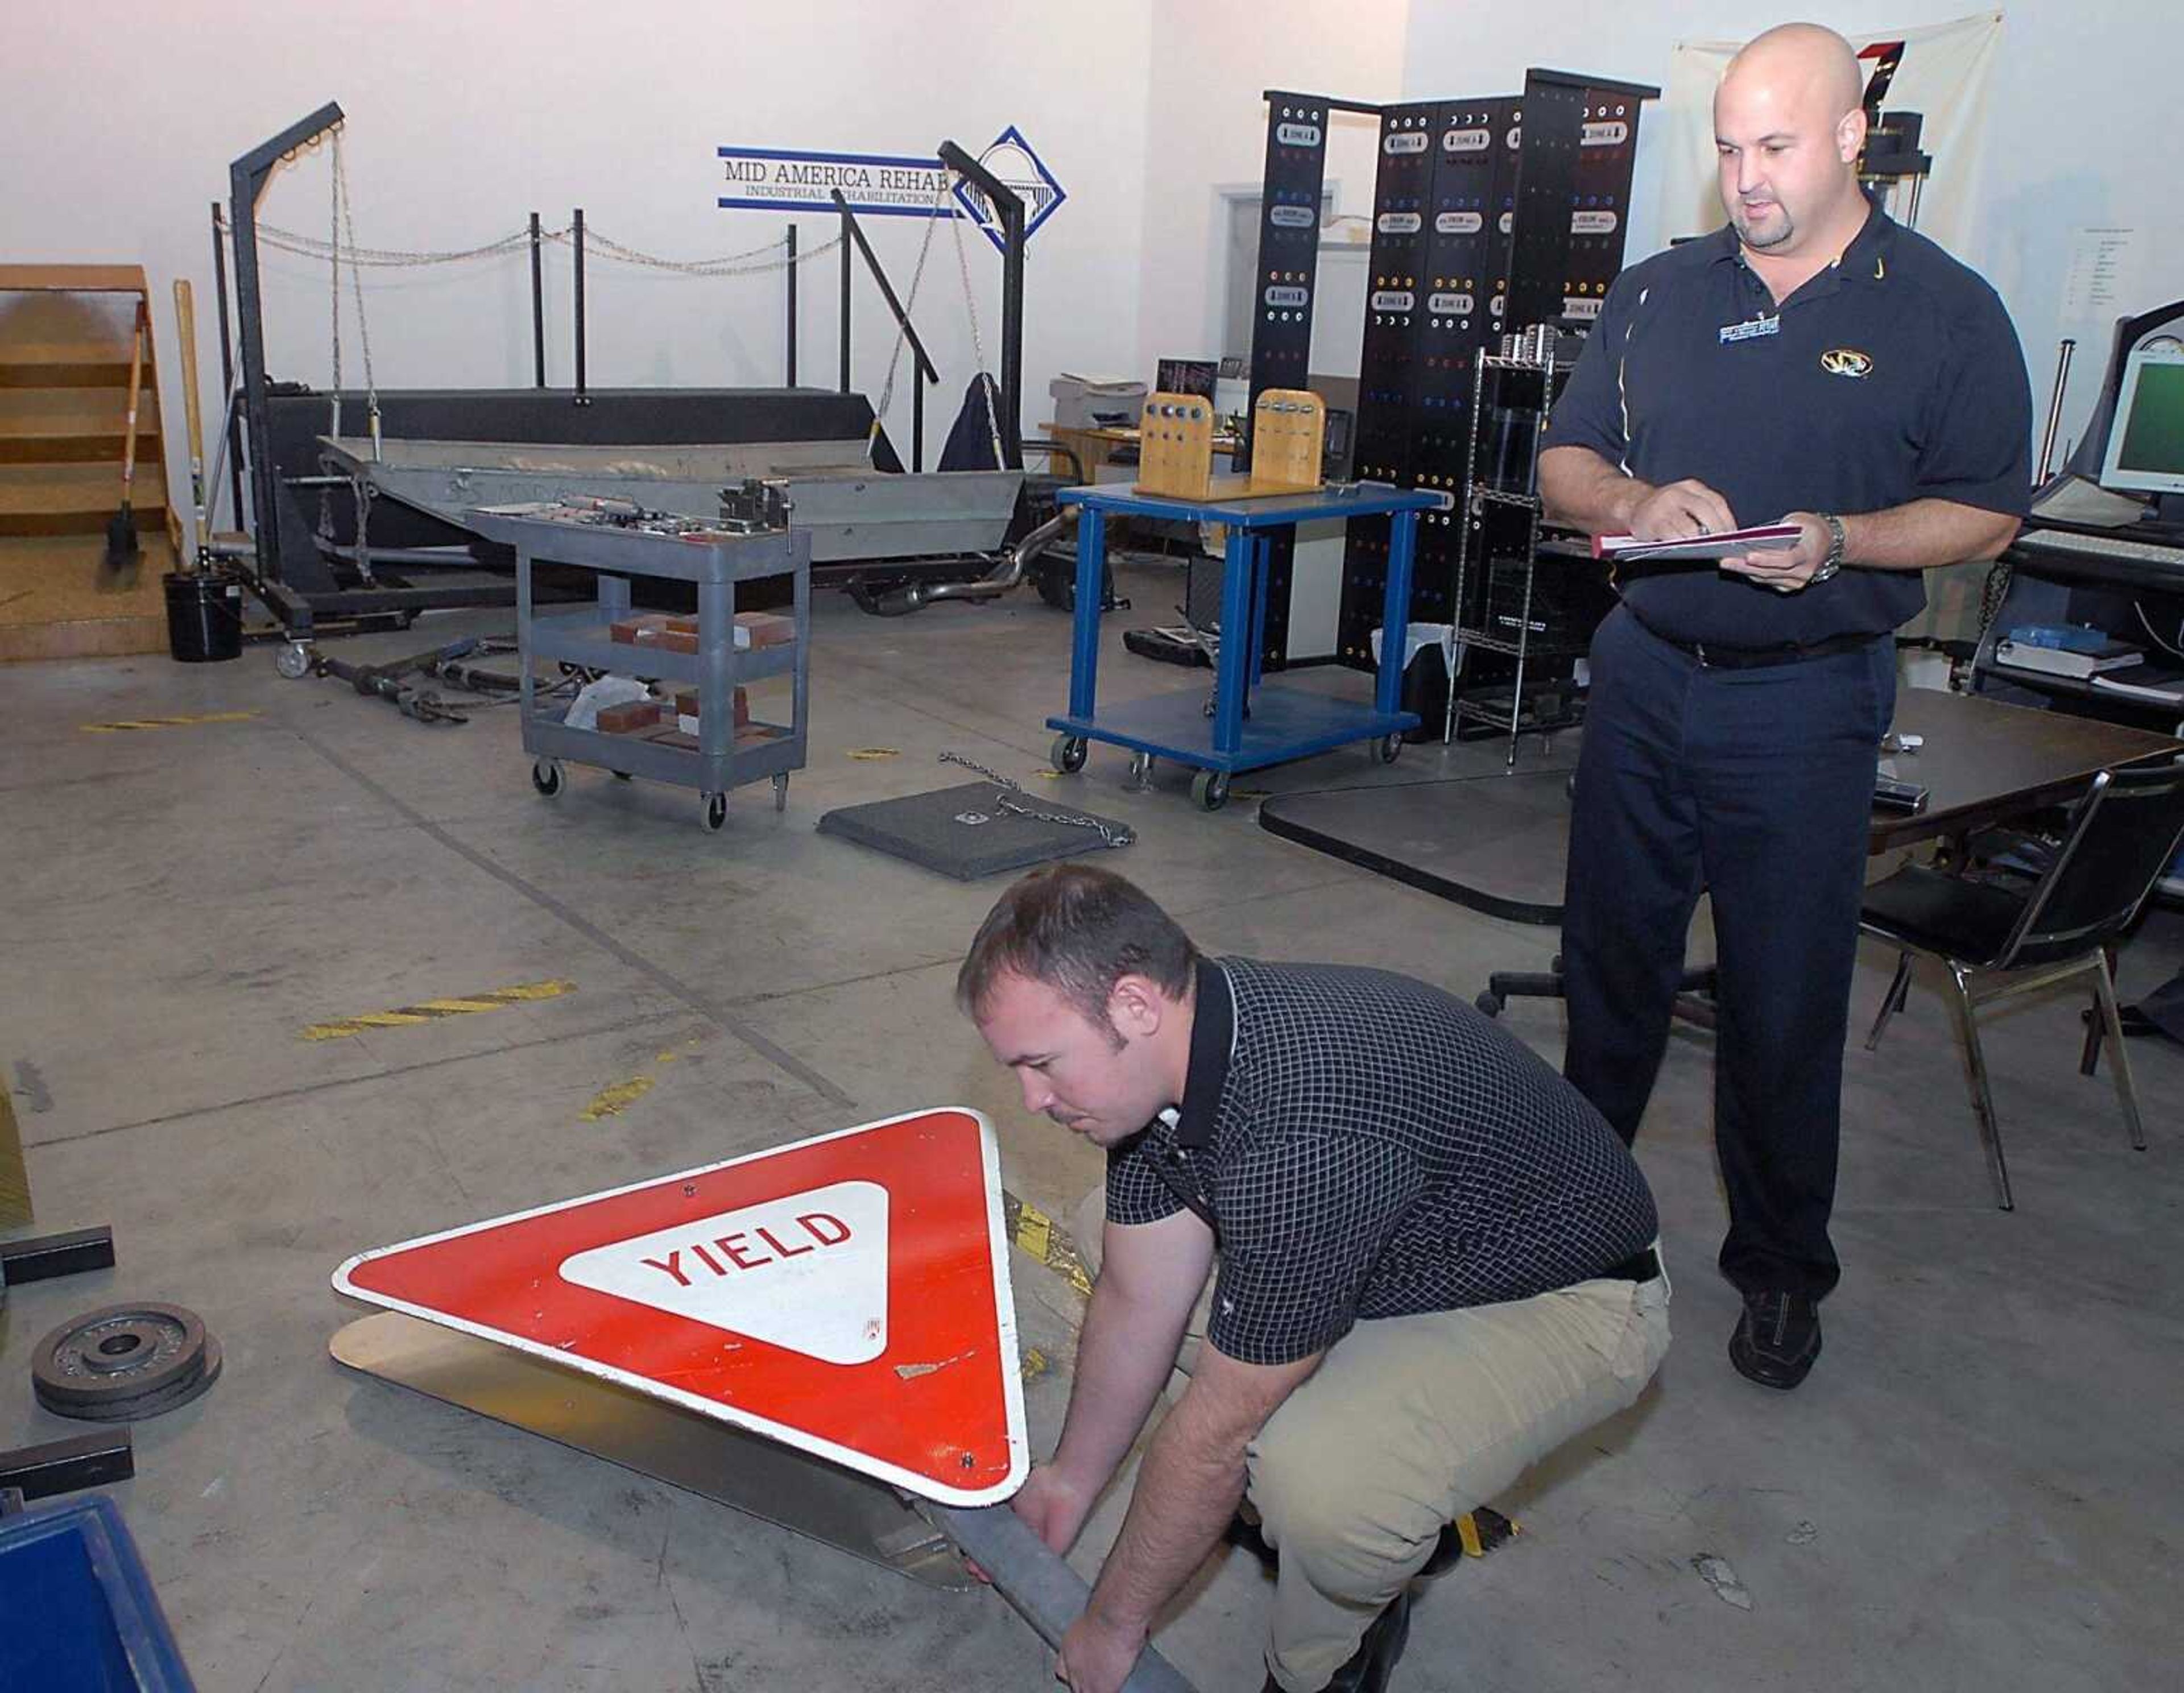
<point>1207,130</point>
<point>118,122</point>
<point>2077,128</point>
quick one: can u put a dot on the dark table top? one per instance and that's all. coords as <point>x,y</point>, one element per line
<point>1984,761</point>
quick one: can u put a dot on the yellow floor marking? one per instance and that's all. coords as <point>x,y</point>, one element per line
<point>125,724</point>
<point>429,1010</point>
<point>614,1100</point>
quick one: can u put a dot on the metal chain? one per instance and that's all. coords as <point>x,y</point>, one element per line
<point>977,346</point>
<point>356,283</point>
<point>388,257</point>
<point>902,329</point>
<point>1111,834</point>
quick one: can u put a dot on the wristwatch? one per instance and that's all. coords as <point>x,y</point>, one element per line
<point>1838,539</point>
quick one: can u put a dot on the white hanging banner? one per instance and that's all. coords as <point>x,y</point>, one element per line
<point>1943,75</point>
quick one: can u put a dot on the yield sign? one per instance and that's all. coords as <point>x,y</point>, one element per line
<point>847,1295</point>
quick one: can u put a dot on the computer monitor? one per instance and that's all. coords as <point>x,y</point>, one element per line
<point>2146,440</point>
<point>1187,376</point>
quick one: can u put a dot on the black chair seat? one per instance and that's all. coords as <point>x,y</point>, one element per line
<point>1920,907</point>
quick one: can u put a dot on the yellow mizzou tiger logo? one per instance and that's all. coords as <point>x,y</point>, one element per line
<point>1846,361</point>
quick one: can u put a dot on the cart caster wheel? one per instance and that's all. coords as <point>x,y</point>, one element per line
<point>293,660</point>
<point>1068,754</point>
<point>781,791</point>
<point>1391,748</point>
<point>1209,790</point>
<point>1141,770</point>
<point>716,812</point>
<point>546,776</point>
<point>1489,1004</point>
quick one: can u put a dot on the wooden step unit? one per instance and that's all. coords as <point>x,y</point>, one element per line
<point>65,333</point>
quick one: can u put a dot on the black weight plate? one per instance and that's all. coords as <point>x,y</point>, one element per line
<point>105,1364</point>
<point>152,1404</point>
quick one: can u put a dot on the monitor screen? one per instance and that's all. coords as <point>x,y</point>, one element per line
<point>2146,443</point>
<point>1187,376</point>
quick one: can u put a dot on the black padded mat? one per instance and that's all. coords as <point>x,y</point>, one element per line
<point>1494,844</point>
<point>926,829</point>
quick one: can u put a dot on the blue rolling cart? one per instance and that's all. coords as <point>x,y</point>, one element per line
<point>1283,723</point>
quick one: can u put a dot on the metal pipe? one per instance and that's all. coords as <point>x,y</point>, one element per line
<point>456,556</point>
<point>789,244</point>
<point>2055,407</point>
<point>999,581</point>
<point>846,299</point>
<point>232,426</point>
<point>1039,1586</point>
<point>537,309</point>
<point>577,229</point>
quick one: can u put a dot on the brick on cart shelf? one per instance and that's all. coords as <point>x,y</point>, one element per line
<point>631,716</point>
<point>689,708</point>
<point>767,628</point>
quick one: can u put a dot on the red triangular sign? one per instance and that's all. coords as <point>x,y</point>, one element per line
<point>848,1295</point>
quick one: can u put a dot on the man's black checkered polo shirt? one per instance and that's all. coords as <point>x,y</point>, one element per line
<point>1364,1145</point>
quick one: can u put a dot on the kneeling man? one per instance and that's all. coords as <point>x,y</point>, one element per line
<point>1436,1264</point>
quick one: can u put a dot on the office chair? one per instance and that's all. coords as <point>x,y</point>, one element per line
<point>1996,942</point>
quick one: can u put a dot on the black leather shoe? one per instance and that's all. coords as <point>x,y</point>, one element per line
<point>1776,1338</point>
<point>1374,1661</point>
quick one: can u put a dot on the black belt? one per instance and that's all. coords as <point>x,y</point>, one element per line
<point>1712,657</point>
<point>1639,1267</point>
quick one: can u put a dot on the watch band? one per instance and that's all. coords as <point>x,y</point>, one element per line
<point>1838,541</point>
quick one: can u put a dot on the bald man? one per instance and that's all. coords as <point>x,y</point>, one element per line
<point>1812,365</point>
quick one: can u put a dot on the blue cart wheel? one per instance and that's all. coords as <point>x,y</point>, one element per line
<point>1067,755</point>
<point>1391,748</point>
<point>546,776</point>
<point>716,811</point>
<point>1209,790</point>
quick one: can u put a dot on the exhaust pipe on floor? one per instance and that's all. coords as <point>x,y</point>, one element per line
<point>1003,577</point>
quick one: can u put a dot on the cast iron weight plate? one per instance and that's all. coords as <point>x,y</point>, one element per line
<point>124,1363</point>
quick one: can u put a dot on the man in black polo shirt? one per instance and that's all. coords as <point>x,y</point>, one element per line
<point>1435,1264</point>
<point>1812,364</point>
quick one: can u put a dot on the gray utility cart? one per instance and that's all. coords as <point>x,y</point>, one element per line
<point>582,637</point>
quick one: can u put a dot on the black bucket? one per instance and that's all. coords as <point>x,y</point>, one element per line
<point>204,617</point>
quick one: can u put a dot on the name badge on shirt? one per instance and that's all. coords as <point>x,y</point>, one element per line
<point>1752,329</point>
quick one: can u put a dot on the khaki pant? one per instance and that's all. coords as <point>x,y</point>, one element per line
<point>1411,1421</point>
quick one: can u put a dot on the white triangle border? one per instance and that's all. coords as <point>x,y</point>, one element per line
<point>1004,1319</point>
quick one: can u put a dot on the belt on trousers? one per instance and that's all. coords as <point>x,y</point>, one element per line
<point>1639,1267</point>
<point>1712,657</point>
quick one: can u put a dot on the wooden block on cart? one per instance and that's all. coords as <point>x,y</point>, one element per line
<point>1175,446</point>
<point>1289,435</point>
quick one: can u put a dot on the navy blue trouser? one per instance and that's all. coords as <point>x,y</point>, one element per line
<point>1757,787</point>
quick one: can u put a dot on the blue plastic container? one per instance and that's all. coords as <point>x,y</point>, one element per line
<point>77,1612</point>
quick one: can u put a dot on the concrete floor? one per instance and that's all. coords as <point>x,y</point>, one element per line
<point>1977,1487</point>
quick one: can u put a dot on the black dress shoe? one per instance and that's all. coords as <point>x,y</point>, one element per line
<point>1374,1661</point>
<point>1776,1338</point>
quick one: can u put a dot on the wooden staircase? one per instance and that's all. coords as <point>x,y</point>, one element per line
<point>64,345</point>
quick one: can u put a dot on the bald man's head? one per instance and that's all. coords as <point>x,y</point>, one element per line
<point>1788,126</point>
